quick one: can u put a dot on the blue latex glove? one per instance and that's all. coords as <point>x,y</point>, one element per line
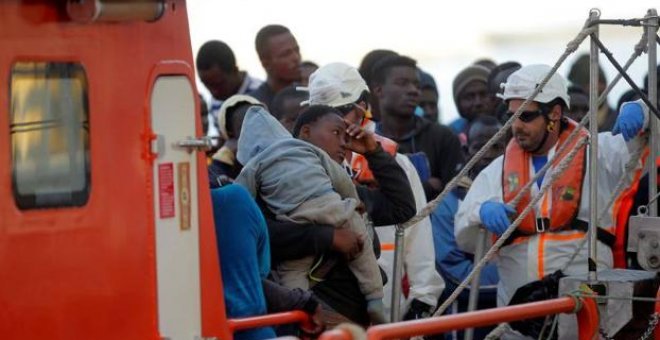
<point>495,217</point>
<point>629,121</point>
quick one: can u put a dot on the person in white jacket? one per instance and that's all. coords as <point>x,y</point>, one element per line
<point>550,235</point>
<point>425,284</point>
<point>341,86</point>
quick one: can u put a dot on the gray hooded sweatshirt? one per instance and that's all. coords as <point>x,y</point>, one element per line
<point>285,171</point>
<point>299,182</point>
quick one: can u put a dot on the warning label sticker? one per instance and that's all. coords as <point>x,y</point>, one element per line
<point>166,190</point>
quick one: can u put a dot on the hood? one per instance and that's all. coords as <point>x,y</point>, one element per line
<point>260,130</point>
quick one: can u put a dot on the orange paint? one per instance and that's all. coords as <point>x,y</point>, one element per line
<point>586,311</point>
<point>268,320</point>
<point>89,272</point>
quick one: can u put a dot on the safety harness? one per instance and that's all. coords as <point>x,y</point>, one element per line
<point>560,206</point>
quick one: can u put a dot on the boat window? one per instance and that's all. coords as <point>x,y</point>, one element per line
<point>49,128</point>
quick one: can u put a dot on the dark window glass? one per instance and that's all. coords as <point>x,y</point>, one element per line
<point>49,128</point>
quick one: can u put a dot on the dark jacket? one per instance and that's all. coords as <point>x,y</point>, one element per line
<point>221,173</point>
<point>264,94</point>
<point>282,299</point>
<point>441,146</point>
<point>393,201</point>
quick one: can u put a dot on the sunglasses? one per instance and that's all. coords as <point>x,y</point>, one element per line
<point>526,116</point>
<point>345,109</point>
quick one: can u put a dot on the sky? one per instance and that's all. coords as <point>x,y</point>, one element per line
<point>443,36</point>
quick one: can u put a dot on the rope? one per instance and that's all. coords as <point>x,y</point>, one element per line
<point>634,159</point>
<point>582,35</point>
<point>620,186</point>
<point>553,329</point>
<point>430,207</point>
<point>498,331</point>
<point>639,48</point>
<point>643,209</point>
<point>561,167</point>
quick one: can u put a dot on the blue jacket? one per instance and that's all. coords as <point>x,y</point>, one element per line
<point>453,264</point>
<point>244,253</point>
<point>460,125</point>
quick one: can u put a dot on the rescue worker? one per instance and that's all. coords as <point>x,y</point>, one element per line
<point>549,235</point>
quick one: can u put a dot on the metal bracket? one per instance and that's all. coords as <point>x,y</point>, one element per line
<point>158,145</point>
<point>644,239</point>
<point>195,144</point>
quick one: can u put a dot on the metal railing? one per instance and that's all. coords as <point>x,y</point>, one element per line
<point>584,307</point>
<point>267,320</point>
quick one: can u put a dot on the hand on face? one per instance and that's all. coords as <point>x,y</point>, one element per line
<point>360,140</point>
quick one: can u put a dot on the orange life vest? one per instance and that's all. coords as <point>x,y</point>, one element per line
<point>561,206</point>
<point>623,207</point>
<point>360,165</point>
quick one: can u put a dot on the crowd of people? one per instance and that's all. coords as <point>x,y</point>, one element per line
<point>313,169</point>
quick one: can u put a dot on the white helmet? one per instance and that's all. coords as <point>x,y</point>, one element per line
<point>522,83</point>
<point>334,84</point>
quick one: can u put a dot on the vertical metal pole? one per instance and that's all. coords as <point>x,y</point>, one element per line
<point>593,149</point>
<point>651,29</point>
<point>474,285</point>
<point>398,274</point>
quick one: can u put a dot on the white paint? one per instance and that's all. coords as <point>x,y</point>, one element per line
<point>177,251</point>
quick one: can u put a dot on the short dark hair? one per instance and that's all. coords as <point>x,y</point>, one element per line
<point>486,62</point>
<point>627,96</point>
<point>579,72</point>
<point>311,115</point>
<point>382,68</point>
<point>216,53</point>
<point>369,60</point>
<point>289,92</point>
<point>264,34</point>
<point>426,81</point>
<point>499,75</point>
<point>547,107</point>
